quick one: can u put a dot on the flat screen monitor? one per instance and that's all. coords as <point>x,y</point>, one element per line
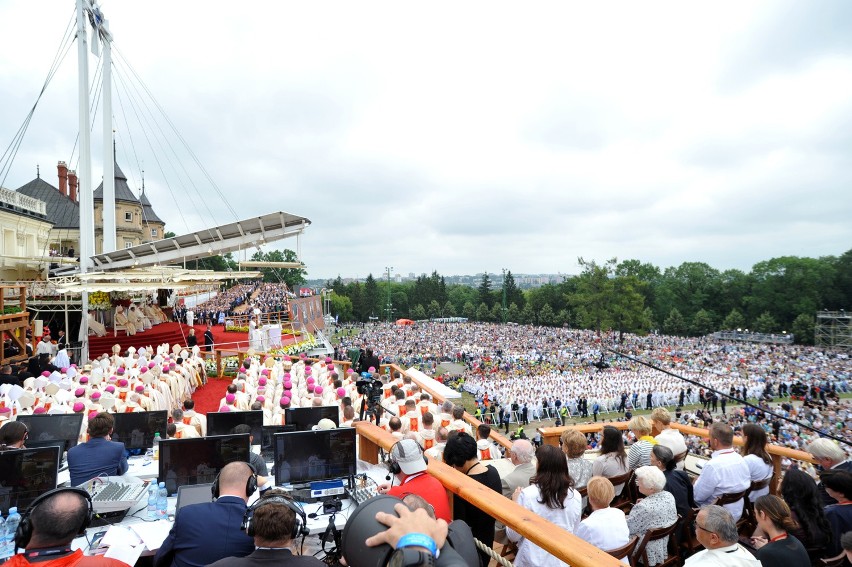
<point>26,474</point>
<point>136,429</point>
<point>267,444</point>
<point>199,460</point>
<point>60,427</point>
<point>302,457</point>
<point>305,418</point>
<point>223,423</point>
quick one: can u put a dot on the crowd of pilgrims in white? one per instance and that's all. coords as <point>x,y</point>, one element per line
<point>527,365</point>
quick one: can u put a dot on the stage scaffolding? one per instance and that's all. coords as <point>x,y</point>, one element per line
<point>834,330</point>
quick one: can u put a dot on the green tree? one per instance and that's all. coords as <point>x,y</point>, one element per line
<point>546,316</point>
<point>733,321</point>
<point>702,323</point>
<point>169,234</point>
<point>497,312</point>
<point>627,305</point>
<point>788,286</point>
<point>803,329</point>
<point>594,294</point>
<point>433,310</point>
<point>514,313</point>
<point>469,311</point>
<point>528,315</point>
<point>766,323</point>
<point>418,312</point>
<point>483,313</point>
<point>563,318</point>
<point>217,263</point>
<point>293,277</point>
<point>355,293</point>
<point>688,287</point>
<point>449,309</point>
<point>484,291</point>
<point>341,306</point>
<point>460,295</point>
<point>674,323</point>
<point>372,301</point>
<point>513,292</point>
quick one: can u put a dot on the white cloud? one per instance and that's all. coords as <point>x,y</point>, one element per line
<point>475,136</point>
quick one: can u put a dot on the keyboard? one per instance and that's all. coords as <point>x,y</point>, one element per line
<point>114,496</point>
<point>362,492</point>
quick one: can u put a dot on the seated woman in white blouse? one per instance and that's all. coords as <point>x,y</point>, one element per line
<point>755,456</point>
<point>552,496</point>
<point>605,527</point>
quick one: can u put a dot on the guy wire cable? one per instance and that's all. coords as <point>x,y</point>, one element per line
<point>735,399</point>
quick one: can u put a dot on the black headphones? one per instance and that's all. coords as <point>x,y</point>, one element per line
<point>25,529</point>
<point>300,523</point>
<point>393,465</point>
<point>251,483</point>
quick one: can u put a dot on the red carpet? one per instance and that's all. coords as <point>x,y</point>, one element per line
<point>172,333</point>
<point>207,396</point>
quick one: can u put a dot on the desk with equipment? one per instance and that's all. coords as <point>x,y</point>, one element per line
<point>317,467</point>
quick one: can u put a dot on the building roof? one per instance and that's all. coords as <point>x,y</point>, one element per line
<point>61,210</point>
<point>122,189</point>
<point>148,214</point>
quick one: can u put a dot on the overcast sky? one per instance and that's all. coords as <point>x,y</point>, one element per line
<point>470,136</point>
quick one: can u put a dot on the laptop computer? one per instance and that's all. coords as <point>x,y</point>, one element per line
<point>193,494</point>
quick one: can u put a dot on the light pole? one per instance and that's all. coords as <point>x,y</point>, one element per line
<point>389,307</point>
<point>504,295</point>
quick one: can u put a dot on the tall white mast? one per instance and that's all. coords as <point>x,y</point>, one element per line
<point>109,156</point>
<point>87,209</point>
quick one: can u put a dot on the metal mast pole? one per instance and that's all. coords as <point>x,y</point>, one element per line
<point>87,211</point>
<point>109,155</point>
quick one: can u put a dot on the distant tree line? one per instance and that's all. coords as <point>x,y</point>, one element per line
<point>693,299</point>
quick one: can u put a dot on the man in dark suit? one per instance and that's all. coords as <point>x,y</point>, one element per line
<point>272,525</point>
<point>99,455</point>
<point>208,339</point>
<point>210,531</point>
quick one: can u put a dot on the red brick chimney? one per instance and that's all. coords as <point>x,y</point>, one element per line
<point>72,185</point>
<point>63,177</point>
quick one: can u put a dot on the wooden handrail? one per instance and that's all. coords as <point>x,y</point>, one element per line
<point>550,537</point>
<point>474,423</point>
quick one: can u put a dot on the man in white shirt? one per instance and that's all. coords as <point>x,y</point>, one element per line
<point>716,530</point>
<point>668,437</point>
<point>725,473</point>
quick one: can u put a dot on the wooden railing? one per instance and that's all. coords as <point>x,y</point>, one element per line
<point>271,318</point>
<point>550,435</point>
<point>550,537</point>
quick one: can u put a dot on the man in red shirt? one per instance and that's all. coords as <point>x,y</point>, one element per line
<point>55,520</point>
<point>408,464</point>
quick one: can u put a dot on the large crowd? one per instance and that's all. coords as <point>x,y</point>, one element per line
<point>538,369</point>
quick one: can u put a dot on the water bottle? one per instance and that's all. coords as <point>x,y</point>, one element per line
<point>3,538</point>
<point>152,501</point>
<point>162,501</point>
<point>156,445</point>
<point>9,530</point>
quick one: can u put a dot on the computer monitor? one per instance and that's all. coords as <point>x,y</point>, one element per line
<point>199,460</point>
<point>267,443</point>
<point>60,427</point>
<point>305,418</point>
<point>136,429</point>
<point>26,474</point>
<point>223,423</point>
<point>303,457</point>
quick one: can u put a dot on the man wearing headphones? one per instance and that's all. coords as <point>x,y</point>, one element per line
<point>210,531</point>
<point>274,522</point>
<point>48,528</point>
<point>408,464</point>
